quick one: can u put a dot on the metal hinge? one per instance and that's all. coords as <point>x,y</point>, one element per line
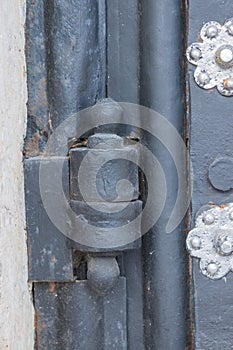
<point>109,198</point>
<point>100,181</point>
<point>212,240</point>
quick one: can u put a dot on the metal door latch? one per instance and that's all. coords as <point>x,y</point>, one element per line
<point>212,241</point>
<point>213,56</point>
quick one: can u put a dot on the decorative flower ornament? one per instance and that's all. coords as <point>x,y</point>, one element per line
<point>212,241</point>
<point>213,56</point>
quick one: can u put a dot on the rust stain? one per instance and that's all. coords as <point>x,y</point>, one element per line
<point>39,327</point>
<point>41,93</point>
<point>35,319</point>
<point>32,147</point>
<point>226,83</point>
<point>52,286</point>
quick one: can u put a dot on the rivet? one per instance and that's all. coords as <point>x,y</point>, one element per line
<point>212,268</point>
<point>209,218</point>
<point>204,78</point>
<point>195,242</point>
<point>211,31</point>
<point>231,215</point>
<point>226,248</point>
<point>195,53</point>
<point>226,55</point>
<point>228,84</point>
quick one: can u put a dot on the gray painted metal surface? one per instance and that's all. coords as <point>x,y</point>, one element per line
<point>50,258</point>
<point>145,64</point>
<point>71,316</point>
<point>211,137</point>
<point>162,88</point>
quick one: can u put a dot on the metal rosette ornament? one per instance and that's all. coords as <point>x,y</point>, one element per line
<point>212,241</point>
<point>213,56</point>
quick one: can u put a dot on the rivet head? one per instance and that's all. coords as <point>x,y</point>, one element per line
<point>208,218</point>
<point>195,54</point>
<point>204,78</point>
<point>195,242</point>
<point>212,268</point>
<point>211,31</point>
<point>226,55</point>
<point>228,84</point>
<point>231,215</point>
<point>226,248</point>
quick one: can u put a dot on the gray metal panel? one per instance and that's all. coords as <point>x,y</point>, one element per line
<point>211,137</point>
<point>70,316</point>
<point>50,259</point>
<point>162,88</point>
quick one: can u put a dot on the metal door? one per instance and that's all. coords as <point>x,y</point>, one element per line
<point>134,51</point>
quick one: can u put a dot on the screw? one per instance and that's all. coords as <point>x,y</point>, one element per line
<point>195,53</point>
<point>208,218</point>
<point>211,31</point>
<point>212,268</point>
<point>195,242</point>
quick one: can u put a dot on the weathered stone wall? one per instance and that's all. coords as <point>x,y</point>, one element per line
<point>16,310</point>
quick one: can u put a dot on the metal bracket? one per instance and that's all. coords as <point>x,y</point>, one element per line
<point>213,56</point>
<point>212,241</point>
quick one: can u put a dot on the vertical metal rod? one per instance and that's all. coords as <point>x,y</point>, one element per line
<point>162,89</point>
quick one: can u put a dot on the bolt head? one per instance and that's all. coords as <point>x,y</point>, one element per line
<point>204,78</point>
<point>212,268</point>
<point>195,242</point>
<point>208,218</point>
<point>195,54</point>
<point>211,31</point>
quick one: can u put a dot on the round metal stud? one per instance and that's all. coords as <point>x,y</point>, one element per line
<point>203,78</point>
<point>195,242</point>
<point>226,248</point>
<point>208,218</point>
<point>212,268</point>
<point>226,55</point>
<point>195,54</point>
<point>228,84</point>
<point>211,31</point>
